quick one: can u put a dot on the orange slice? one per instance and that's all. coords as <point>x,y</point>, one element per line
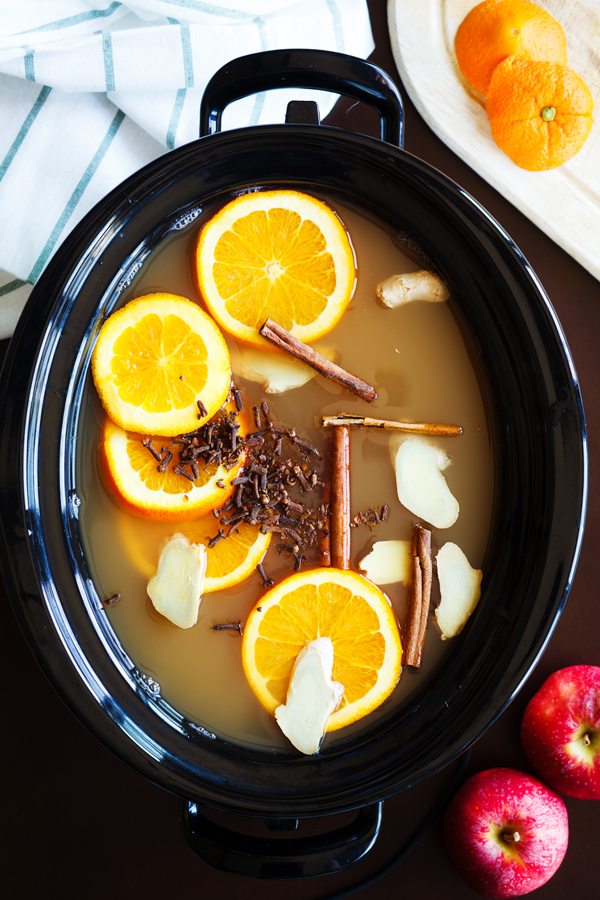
<point>229,562</point>
<point>341,605</point>
<point>234,558</point>
<point>130,473</point>
<point>152,361</point>
<point>281,255</point>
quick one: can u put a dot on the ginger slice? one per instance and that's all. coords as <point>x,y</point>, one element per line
<point>422,488</point>
<point>387,562</point>
<point>460,587</point>
<point>401,289</point>
<point>311,698</point>
<point>276,372</point>
<point>176,589</point>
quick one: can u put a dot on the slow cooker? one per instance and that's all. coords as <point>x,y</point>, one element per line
<point>537,417</point>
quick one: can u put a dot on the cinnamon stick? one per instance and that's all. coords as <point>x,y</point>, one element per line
<point>286,341</point>
<point>415,596</point>
<point>411,427</point>
<point>419,597</point>
<point>325,532</point>
<point>424,546</point>
<point>340,499</point>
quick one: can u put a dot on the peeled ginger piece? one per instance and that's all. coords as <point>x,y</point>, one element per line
<point>422,488</point>
<point>400,289</point>
<point>176,589</point>
<point>311,698</point>
<point>388,562</point>
<point>276,372</point>
<point>460,587</point>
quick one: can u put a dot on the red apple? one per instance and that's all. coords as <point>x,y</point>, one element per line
<point>506,833</point>
<point>561,731</point>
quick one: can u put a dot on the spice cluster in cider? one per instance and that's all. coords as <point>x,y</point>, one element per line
<point>262,491</point>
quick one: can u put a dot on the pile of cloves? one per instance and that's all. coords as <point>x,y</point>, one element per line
<point>214,444</point>
<point>264,485</point>
<point>266,479</point>
<point>371,517</point>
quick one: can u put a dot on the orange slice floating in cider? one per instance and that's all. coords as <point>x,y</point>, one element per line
<point>157,361</point>
<point>325,602</point>
<point>130,472</point>
<point>230,561</point>
<point>278,255</point>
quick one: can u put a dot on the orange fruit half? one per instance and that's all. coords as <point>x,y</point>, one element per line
<point>496,29</point>
<point>155,360</point>
<point>230,561</point>
<point>130,472</point>
<point>325,602</point>
<point>279,255</point>
<point>540,113</point>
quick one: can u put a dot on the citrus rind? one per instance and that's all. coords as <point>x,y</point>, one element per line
<point>519,92</point>
<point>497,29</point>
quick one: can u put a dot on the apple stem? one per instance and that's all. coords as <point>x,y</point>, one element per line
<point>511,837</point>
<point>586,740</point>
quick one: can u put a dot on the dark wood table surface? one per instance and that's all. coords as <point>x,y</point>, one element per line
<point>78,822</point>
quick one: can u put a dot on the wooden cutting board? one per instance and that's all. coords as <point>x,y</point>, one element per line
<point>563,202</point>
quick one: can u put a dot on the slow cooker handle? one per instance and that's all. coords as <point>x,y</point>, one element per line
<point>280,858</point>
<point>320,70</point>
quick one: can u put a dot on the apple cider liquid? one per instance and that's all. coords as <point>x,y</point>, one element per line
<point>418,361</point>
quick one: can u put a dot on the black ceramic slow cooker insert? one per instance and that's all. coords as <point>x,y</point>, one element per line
<point>540,471</point>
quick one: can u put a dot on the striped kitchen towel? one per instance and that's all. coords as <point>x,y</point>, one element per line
<point>92,91</point>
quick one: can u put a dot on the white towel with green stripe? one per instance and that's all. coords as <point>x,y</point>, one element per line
<point>92,91</point>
